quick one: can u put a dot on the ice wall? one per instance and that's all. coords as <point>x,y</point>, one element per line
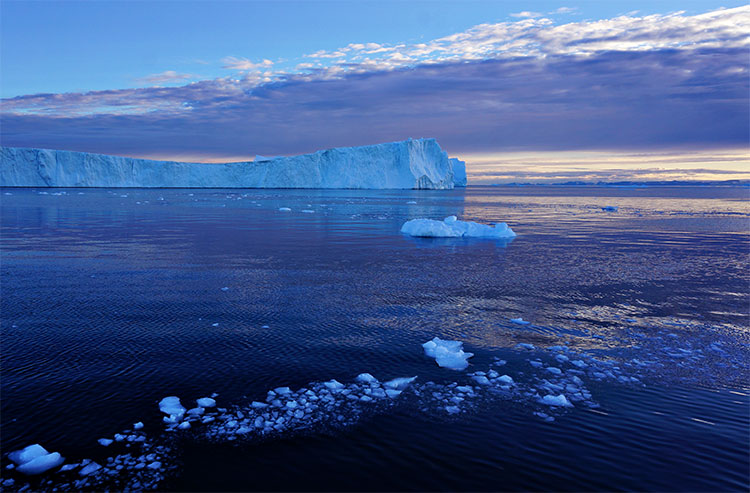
<point>413,163</point>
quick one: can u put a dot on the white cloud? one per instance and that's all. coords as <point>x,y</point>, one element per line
<point>526,14</point>
<point>245,65</point>
<point>166,77</point>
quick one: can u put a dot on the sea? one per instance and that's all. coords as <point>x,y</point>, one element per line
<point>609,339</point>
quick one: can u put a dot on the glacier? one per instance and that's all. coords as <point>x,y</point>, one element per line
<point>409,164</point>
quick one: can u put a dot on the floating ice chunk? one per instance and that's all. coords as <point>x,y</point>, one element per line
<point>519,321</point>
<point>196,411</point>
<point>452,409</point>
<point>561,358</point>
<point>610,208</point>
<point>366,378</point>
<point>68,467</point>
<point>447,354</point>
<point>215,325</point>
<point>505,379</point>
<point>451,227</point>
<point>138,426</point>
<point>556,400</point>
<point>481,379</point>
<point>399,383</point>
<point>579,363</point>
<point>156,465</point>
<point>27,454</point>
<point>393,393</point>
<point>334,384</point>
<point>412,202</point>
<point>258,405</point>
<point>171,406</point>
<point>41,463</point>
<point>282,390</point>
<point>524,345</point>
<point>206,402</point>
<point>89,468</point>
<point>284,209</point>
<point>308,211</point>
<point>105,442</point>
<point>554,370</point>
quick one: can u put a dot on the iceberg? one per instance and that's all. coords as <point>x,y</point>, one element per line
<point>451,227</point>
<point>409,164</point>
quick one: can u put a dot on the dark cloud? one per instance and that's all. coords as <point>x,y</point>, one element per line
<point>611,100</point>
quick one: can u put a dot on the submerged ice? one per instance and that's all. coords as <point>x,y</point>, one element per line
<point>409,164</point>
<point>451,227</point>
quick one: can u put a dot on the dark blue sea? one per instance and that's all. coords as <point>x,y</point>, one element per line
<point>639,317</point>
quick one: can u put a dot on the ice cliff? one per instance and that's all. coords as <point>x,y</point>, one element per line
<point>409,164</point>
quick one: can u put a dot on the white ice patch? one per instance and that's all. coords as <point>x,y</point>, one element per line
<point>451,227</point>
<point>206,402</point>
<point>519,321</point>
<point>556,400</point>
<point>447,354</point>
<point>41,464</point>
<point>172,407</point>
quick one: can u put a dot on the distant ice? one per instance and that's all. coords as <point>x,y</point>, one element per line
<point>447,354</point>
<point>610,208</point>
<point>284,209</point>
<point>451,227</point>
<point>519,321</point>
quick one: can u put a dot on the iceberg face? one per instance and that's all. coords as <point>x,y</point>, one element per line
<point>451,227</point>
<point>459,172</point>
<point>410,164</point>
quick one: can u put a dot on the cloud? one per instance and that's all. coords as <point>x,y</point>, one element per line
<point>526,14</point>
<point>166,77</point>
<point>564,10</point>
<point>243,64</point>
<point>670,81</point>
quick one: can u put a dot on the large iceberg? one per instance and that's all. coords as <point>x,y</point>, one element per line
<point>410,164</point>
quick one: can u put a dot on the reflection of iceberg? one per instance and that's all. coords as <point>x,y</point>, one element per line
<point>410,164</point>
<point>451,227</point>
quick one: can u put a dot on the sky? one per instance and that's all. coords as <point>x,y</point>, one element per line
<point>523,91</point>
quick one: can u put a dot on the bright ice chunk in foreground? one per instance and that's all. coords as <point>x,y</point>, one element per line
<point>284,209</point>
<point>556,400</point>
<point>451,227</point>
<point>447,354</point>
<point>171,405</point>
<point>41,464</point>
<point>366,378</point>
<point>399,383</point>
<point>206,402</point>
<point>519,321</point>
<point>27,453</point>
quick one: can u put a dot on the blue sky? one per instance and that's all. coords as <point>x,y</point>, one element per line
<point>225,80</point>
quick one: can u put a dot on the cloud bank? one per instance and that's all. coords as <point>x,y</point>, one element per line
<point>663,81</point>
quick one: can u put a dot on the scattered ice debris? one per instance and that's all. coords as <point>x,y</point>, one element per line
<point>610,208</point>
<point>35,459</point>
<point>138,426</point>
<point>172,407</point>
<point>519,321</point>
<point>89,468</point>
<point>399,383</point>
<point>105,442</point>
<point>284,209</point>
<point>451,227</point>
<point>447,354</point>
<point>366,378</point>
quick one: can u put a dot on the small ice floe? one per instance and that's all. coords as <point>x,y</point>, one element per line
<point>105,442</point>
<point>35,459</point>
<point>447,354</point>
<point>519,321</point>
<point>451,227</point>
<point>172,407</point>
<point>206,402</point>
<point>412,202</point>
<point>524,345</point>
<point>399,383</point>
<point>556,401</point>
<point>284,209</point>
<point>138,425</point>
<point>366,378</point>
<point>610,208</point>
<point>215,324</point>
<point>308,211</point>
<point>89,468</point>
<point>225,288</point>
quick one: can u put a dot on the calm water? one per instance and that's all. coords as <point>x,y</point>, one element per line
<point>112,299</point>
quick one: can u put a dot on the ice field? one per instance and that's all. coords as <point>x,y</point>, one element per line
<point>204,339</point>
